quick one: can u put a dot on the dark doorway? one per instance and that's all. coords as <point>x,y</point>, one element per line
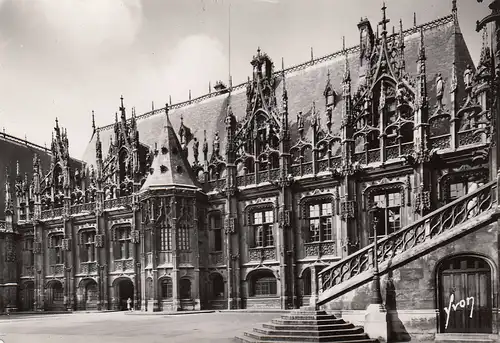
<point>125,289</point>
<point>28,296</point>
<point>464,295</point>
<point>185,289</point>
<point>55,296</point>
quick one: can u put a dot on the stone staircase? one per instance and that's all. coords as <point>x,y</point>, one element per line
<point>306,325</point>
<point>446,224</point>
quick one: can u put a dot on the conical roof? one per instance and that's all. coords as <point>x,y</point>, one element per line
<point>170,167</point>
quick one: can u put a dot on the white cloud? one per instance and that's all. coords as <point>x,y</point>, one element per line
<point>195,61</point>
<point>93,24</point>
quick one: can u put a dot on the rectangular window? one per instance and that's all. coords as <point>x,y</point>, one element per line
<point>183,238</point>
<point>320,222</point>
<point>262,226</point>
<point>165,239</point>
<point>216,226</point>
<point>390,213</point>
<point>57,252</point>
<point>88,249</point>
<point>124,245</point>
<point>28,257</point>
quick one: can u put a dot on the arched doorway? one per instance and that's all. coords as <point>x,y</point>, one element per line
<point>55,296</point>
<point>90,295</point>
<point>124,289</point>
<point>464,295</point>
<point>185,289</point>
<point>28,296</point>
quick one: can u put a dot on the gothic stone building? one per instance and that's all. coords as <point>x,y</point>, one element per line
<point>244,197</point>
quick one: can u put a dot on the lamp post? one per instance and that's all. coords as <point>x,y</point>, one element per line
<point>376,294</point>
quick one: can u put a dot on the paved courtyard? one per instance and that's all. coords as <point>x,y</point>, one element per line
<point>117,327</point>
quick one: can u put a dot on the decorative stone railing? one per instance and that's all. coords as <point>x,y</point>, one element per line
<point>432,225</point>
<point>216,258</point>
<point>88,268</point>
<point>318,249</point>
<point>81,208</point>
<point>53,213</point>
<point>57,269</point>
<point>118,202</point>
<point>124,265</point>
<point>262,254</point>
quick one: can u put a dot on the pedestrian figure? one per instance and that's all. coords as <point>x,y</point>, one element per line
<point>129,303</point>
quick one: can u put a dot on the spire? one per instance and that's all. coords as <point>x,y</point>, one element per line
<point>209,88</point>
<point>152,105</point>
<point>98,147</point>
<point>454,9</point>
<point>93,121</point>
<point>190,95</point>
<point>312,54</point>
<point>402,63</point>
<point>347,72</point>
<point>170,100</point>
<point>421,47</point>
<point>384,20</point>
<point>170,166</point>
<point>122,109</point>
<point>285,92</point>
<point>485,57</point>
<point>415,19</point>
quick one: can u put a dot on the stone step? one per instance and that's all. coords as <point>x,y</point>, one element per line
<point>307,327</point>
<point>281,321</point>
<point>286,338</point>
<point>308,316</point>
<point>465,338</point>
<point>317,333</point>
<point>245,339</point>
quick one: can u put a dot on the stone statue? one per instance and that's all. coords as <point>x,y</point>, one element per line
<point>196,145</point>
<point>439,90</point>
<point>216,144</point>
<point>468,77</point>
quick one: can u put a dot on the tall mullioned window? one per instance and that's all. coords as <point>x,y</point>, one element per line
<point>262,224</point>
<point>320,222</point>
<point>389,215</point>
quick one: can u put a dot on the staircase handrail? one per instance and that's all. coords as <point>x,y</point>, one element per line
<point>362,259</point>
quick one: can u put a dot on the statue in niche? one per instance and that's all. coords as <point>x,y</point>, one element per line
<point>196,145</point>
<point>439,90</point>
<point>300,120</point>
<point>216,144</point>
<point>468,77</point>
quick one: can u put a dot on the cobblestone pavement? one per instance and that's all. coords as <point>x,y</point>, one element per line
<point>119,327</point>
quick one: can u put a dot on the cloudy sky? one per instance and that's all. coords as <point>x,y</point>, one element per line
<point>65,58</point>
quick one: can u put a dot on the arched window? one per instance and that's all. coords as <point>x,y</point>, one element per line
<point>217,286</point>
<point>263,284</point>
<point>166,288</point>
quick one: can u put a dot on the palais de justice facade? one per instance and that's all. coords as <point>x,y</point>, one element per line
<point>239,198</point>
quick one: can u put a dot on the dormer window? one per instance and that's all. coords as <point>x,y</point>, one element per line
<point>330,98</point>
<point>164,150</point>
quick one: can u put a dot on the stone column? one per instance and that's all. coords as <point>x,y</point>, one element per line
<point>313,300</point>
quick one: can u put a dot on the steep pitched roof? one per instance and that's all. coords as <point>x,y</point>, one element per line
<point>17,150</point>
<point>170,166</point>
<point>305,84</point>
